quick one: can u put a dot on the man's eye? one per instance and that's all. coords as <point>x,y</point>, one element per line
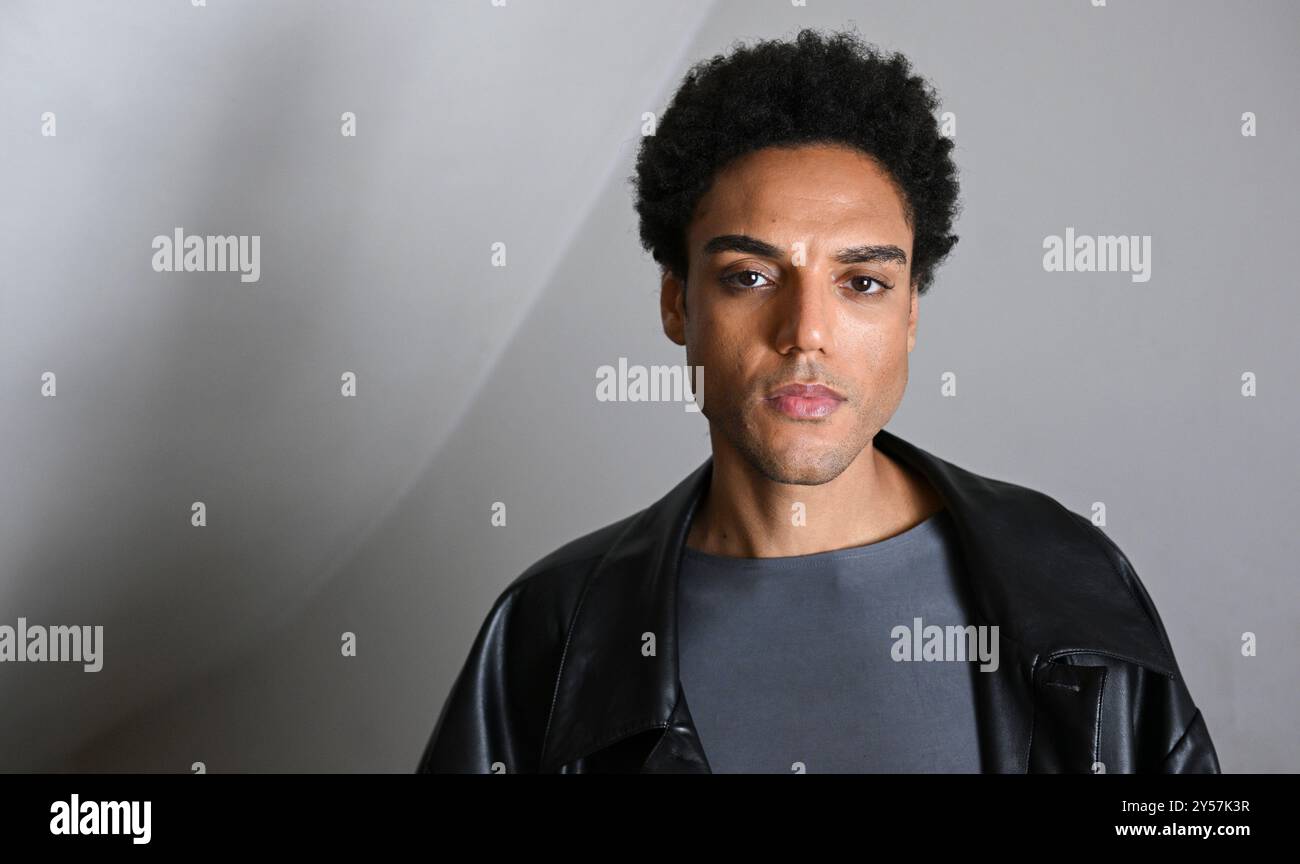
<point>742,279</point>
<point>883,286</point>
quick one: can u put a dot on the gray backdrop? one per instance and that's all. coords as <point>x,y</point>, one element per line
<point>475,384</point>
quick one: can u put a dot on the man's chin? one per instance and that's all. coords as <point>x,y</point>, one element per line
<point>800,469</point>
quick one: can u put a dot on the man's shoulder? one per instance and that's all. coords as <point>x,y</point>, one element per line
<point>1037,519</point>
<point>1071,567</point>
<point>499,705</point>
<point>552,585</point>
<point>572,561</point>
<point>1083,597</point>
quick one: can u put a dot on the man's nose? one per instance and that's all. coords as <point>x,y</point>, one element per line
<point>807,313</point>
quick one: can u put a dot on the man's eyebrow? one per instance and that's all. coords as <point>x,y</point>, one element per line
<point>885,253</point>
<point>878,253</point>
<point>741,243</point>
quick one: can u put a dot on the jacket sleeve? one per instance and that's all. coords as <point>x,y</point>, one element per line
<point>471,734</point>
<point>493,719</point>
<point>1194,752</point>
<point>1180,722</point>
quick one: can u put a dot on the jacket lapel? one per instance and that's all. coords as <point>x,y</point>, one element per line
<point>679,750</point>
<point>619,674</point>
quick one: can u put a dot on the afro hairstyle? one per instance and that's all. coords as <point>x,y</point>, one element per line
<point>814,89</point>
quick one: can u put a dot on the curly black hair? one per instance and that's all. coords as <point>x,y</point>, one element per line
<point>816,89</point>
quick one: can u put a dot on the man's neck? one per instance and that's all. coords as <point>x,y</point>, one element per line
<point>743,514</point>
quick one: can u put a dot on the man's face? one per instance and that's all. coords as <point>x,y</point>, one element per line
<point>758,317</point>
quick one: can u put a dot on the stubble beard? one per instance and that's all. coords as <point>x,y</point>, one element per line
<point>789,464</point>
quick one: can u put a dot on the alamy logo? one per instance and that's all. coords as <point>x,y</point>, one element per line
<point>930,642</point>
<point>55,644</point>
<point>214,253</point>
<point>651,384</point>
<point>1107,254</point>
<point>103,817</point>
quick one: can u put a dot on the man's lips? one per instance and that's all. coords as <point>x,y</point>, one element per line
<point>807,391</point>
<point>804,401</point>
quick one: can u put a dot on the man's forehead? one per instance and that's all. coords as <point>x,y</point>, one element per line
<point>815,169</point>
<point>793,205</point>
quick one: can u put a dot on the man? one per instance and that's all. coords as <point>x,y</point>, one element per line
<point>830,597</point>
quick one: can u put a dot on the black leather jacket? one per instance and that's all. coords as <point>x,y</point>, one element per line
<point>556,680</point>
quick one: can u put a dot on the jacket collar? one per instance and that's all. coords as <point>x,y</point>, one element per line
<point>619,673</point>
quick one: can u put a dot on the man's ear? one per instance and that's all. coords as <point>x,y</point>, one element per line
<point>672,306</point>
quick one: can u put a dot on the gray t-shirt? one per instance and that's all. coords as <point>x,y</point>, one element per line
<point>791,660</point>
